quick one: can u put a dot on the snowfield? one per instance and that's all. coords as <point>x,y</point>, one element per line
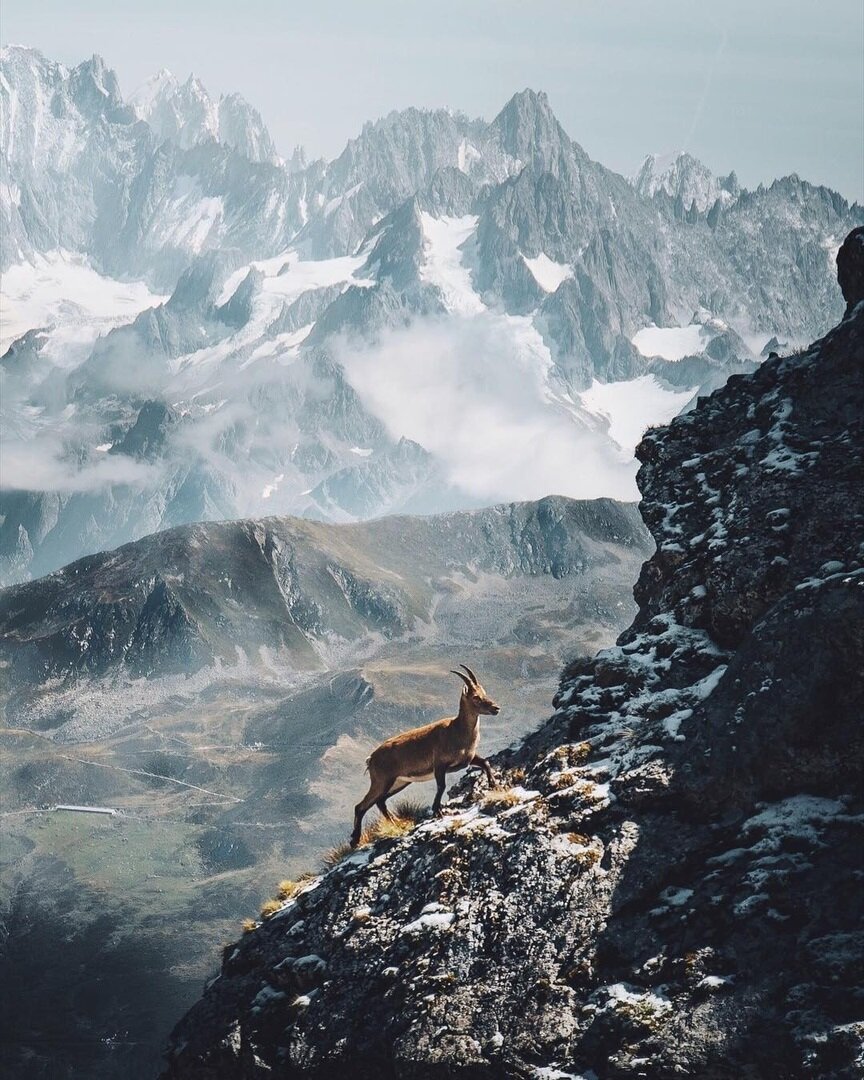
<point>64,291</point>
<point>672,342</point>
<point>443,266</point>
<point>632,406</point>
<point>546,273</point>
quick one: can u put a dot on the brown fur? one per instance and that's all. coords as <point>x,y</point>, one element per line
<point>431,750</point>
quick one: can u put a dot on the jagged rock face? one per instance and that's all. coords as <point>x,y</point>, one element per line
<point>672,884</point>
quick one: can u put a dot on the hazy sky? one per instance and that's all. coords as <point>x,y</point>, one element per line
<point>766,87</point>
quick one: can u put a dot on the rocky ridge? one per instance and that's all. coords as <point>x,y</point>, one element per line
<point>671,885</point>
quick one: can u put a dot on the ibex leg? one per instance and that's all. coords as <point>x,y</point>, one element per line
<point>483,764</point>
<point>440,780</point>
<point>382,802</point>
<point>377,788</point>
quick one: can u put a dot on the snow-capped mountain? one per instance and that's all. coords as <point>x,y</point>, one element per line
<point>688,184</point>
<point>187,115</point>
<point>448,314</point>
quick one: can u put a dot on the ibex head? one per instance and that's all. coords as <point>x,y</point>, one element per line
<point>475,695</point>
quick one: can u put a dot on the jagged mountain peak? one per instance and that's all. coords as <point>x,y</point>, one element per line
<point>529,130</point>
<point>157,85</point>
<point>185,113</point>
<point>684,179</point>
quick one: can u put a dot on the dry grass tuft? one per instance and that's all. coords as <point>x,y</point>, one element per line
<point>406,814</point>
<point>579,838</point>
<point>579,752</point>
<point>516,776</point>
<point>286,889</point>
<point>384,829</point>
<point>270,907</point>
<point>570,754</point>
<point>336,854</point>
<point>410,809</point>
<point>249,925</point>
<point>564,779</point>
<point>585,855</point>
<point>500,798</point>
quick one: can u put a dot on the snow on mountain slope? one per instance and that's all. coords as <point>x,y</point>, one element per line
<point>632,406</point>
<point>62,291</point>
<point>288,276</point>
<point>672,342</point>
<point>444,265</point>
<point>547,273</point>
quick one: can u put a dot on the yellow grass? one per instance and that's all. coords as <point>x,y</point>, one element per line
<point>270,907</point>
<point>336,854</point>
<point>286,889</point>
<point>500,797</point>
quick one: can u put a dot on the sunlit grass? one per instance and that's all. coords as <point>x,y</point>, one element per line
<point>498,798</point>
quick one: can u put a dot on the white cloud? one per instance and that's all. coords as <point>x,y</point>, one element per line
<point>39,465</point>
<point>476,393</point>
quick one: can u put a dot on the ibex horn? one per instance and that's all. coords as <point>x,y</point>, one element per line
<point>471,673</point>
<point>464,678</point>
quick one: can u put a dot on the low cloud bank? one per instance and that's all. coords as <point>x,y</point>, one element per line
<point>477,396</point>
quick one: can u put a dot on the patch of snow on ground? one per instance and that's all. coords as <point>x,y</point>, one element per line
<point>632,406</point>
<point>430,920</point>
<point>443,266</point>
<point>546,273</point>
<point>467,155</point>
<point>672,342</point>
<point>799,815</point>
<point>552,1072</point>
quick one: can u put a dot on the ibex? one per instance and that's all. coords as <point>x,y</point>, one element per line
<point>423,752</point>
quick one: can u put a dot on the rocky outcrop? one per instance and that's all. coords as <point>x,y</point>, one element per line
<point>669,884</point>
<point>850,268</point>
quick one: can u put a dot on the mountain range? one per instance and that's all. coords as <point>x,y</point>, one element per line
<point>197,329</point>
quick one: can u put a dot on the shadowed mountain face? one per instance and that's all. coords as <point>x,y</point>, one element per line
<point>671,884</point>
<point>197,330</point>
<point>220,685</point>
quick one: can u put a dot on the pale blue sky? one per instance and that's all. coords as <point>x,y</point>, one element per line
<point>766,87</point>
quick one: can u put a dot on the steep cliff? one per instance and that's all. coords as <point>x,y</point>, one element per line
<point>671,883</point>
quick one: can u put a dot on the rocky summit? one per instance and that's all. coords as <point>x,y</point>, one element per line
<point>667,881</point>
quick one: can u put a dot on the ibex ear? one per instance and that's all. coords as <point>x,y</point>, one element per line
<point>464,678</point>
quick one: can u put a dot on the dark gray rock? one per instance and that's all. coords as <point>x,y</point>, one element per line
<point>850,268</point>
